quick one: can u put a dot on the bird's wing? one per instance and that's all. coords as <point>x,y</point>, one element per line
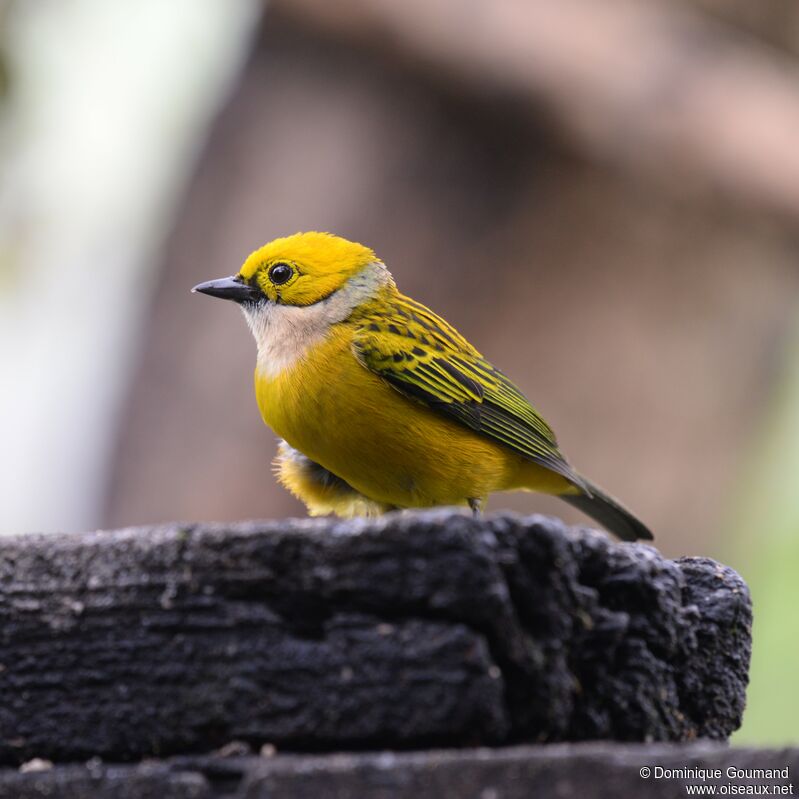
<point>426,359</point>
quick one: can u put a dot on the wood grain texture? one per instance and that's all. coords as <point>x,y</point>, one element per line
<point>577,771</point>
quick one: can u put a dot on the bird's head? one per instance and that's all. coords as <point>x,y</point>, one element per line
<point>300,270</point>
<point>301,284</point>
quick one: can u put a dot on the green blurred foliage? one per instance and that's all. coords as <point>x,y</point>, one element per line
<point>5,67</point>
<point>765,549</point>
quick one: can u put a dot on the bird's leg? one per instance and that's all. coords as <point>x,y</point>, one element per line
<point>477,507</point>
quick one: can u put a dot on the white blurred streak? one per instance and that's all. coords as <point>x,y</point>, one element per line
<point>109,105</point>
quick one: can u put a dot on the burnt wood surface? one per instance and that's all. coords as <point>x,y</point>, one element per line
<point>411,631</point>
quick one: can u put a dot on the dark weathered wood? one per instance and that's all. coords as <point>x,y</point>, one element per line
<point>569,771</point>
<point>409,631</point>
<point>98,780</point>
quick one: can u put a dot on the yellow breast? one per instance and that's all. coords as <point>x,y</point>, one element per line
<point>389,448</point>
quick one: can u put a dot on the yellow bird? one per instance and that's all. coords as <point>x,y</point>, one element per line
<point>380,403</point>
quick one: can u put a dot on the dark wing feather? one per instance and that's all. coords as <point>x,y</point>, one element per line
<point>426,359</point>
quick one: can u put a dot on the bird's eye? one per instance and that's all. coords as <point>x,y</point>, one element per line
<point>280,273</point>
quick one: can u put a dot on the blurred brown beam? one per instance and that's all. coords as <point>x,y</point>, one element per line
<point>659,89</point>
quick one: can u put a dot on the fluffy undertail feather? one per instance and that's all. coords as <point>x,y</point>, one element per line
<point>322,491</point>
<point>610,513</point>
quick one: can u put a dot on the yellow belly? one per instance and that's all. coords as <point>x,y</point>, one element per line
<point>389,448</point>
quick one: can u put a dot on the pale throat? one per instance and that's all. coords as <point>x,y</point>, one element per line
<point>285,333</point>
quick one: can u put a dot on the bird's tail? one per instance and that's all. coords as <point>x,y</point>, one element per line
<point>610,513</point>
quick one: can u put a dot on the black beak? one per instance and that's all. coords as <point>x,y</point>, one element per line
<point>230,288</point>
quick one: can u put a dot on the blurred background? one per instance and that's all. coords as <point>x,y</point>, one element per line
<point>603,196</point>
